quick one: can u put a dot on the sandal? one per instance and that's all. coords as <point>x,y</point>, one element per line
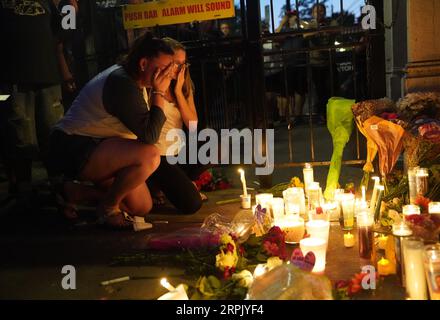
<point>67,209</point>
<point>115,219</point>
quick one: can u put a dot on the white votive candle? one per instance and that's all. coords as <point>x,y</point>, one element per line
<point>294,229</point>
<point>294,197</point>
<point>319,247</point>
<point>278,208</point>
<point>410,210</point>
<point>434,208</point>
<point>308,176</point>
<point>414,269</point>
<point>318,229</point>
<point>264,199</point>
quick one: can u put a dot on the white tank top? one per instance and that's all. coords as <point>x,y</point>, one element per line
<point>174,121</point>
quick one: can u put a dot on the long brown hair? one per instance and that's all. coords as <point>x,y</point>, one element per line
<point>146,46</point>
<point>188,85</point>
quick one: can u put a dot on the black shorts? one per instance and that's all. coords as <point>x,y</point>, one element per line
<point>69,154</point>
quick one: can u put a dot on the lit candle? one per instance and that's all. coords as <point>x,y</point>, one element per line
<point>434,208</point>
<point>383,240</point>
<point>410,210</point>
<point>348,240</point>
<point>243,182</point>
<point>294,198</point>
<point>278,209</point>
<point>314,197</point>
<point>374,194</point>
<point>178,294</point>
<point>318,247</point>
<point>308,176</point>
<point>331,210</point>
<point>264,199</point>
<point>293,229</point>
<point>364,197</point>
<point>400,232</point>
<point>381,190</point>
<point>318,229</point>
<point>384,267</point>
<point>164,283</point>
<point>422,176</point>
<point>414,269</point>
<point>412,184</point>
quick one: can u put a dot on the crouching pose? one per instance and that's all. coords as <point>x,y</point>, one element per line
<point>107,137</point>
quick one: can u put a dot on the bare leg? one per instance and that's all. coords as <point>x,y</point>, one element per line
<point>129,162</point>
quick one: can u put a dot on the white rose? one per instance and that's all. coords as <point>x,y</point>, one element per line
<point>244,277</point>
<point>273,262</point>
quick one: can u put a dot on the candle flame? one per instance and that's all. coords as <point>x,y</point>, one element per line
<point>240,171</point>
<point>164,282</point>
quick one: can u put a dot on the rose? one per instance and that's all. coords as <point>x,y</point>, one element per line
<point>244,278</point>
<point>273,262</point>
<point>225,239</point>
<point>226,260</point>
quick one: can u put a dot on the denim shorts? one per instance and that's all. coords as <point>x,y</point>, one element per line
<point>68,154</point>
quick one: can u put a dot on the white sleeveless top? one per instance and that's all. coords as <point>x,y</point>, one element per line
<point>173,121</point>
<point>87,115</point>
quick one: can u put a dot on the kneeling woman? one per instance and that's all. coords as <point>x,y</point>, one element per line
<point>175,180</point>
<point>107,137</point>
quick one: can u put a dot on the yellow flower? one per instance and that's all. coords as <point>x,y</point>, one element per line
<point>224,260</point>
<point>296,183</point>
<point>225,239</point>
<point>273,262</point>
<point>244,278</point>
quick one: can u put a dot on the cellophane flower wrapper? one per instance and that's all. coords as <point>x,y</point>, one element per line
<point>388,137</point>
<point>288,282</point>
<point>340,126</point>
<point>187,238</point>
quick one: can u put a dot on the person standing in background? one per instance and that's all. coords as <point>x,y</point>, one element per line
<point>320,59</point>
<point>30,65</point>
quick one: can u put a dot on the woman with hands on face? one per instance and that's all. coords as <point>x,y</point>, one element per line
<point>108,136</point>
<point>174,181</point>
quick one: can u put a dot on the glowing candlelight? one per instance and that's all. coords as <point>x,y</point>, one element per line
<point>410,210</point>
<point>381,190</point>
<point>348,240</point>
<point>415,280</point>
<point>383,240</point>
<point>384,267</point>
<point>364,197</point>
<point>178,294</point>
<point>243,182</point>
<point>308,176</point>
<point>434,208</point>
<point>319,247</point>
<point>278,209</point>
<point>293,228</point>
<point>164,282</point>
<point>374,195</point>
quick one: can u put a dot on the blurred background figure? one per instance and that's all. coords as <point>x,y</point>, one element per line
<point>30,73</point>
<point>296,73</point>
<point>320,59</point>
<point>225,30</point>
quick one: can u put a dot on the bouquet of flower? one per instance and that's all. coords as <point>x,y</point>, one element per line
<point>366,109</point>
<point>416,104</point>
<point>259,249</point>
